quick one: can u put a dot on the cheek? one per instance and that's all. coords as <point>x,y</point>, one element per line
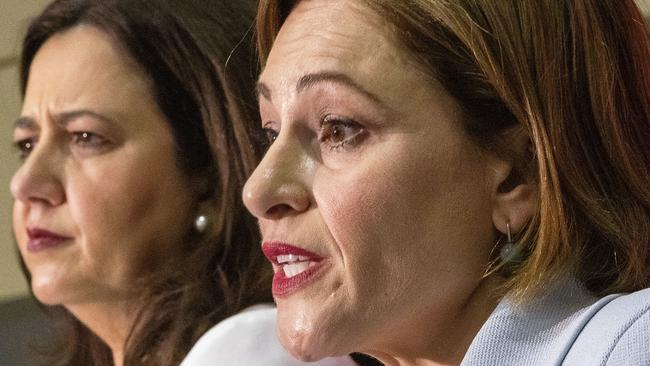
<point>106,210</point>
<point>127,221</point>
<point>367,214</point>
<point>377,203</point>
<point>405,219</point>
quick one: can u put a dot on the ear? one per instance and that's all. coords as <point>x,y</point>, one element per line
<point>202,186</point>
<point>514,194</point>
<point>206,218</point>
<point>203,201</point>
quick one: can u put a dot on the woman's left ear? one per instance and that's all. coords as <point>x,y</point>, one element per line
<point>204,211</point>
<point>205,217</point>
<point>514,194</point>
<point>514,207</point>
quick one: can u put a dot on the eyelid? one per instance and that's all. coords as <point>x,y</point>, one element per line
<point>109,130</point>
<point>266,135</point>
<point>83,137</point>
<point>24,146</point>
<point>346,122</point>
<point>21,132</point>
<point>23,135</point>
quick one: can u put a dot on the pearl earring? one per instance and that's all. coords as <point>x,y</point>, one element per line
<point>508,251</point>
<point>201,223</point>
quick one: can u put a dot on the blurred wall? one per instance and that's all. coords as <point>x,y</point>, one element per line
<point>645,8</point>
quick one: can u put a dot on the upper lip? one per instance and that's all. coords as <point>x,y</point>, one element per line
<point>37,233</point>
<point>274,249</point>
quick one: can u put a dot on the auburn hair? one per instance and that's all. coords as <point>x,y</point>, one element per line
<point>574,76</point>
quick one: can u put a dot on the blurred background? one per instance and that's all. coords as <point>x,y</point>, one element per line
<point>20,318</point>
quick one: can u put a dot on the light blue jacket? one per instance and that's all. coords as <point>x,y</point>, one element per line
<point>566,326</point>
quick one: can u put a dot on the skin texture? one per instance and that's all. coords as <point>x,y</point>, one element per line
<point>380,179</point>
<point>108,183</point>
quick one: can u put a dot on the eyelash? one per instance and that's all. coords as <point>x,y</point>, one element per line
<point>88,139</point>
<point>84,139</point>
<point>333,122</point>
<point>24,147</point>
<point>269,134</point>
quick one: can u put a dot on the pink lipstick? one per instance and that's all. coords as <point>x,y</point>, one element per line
<point>40,239</point>
<point>295,268</point>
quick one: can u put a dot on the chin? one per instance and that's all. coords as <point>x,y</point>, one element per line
<point>307,341</point>
<point>50,291</point>
<point>302,347</point>
<point>46,294</point>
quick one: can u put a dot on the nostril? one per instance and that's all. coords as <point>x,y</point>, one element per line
<point>278,211</point>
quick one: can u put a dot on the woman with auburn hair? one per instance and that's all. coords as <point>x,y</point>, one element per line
<point>457,182</point>
<point>135,141</point>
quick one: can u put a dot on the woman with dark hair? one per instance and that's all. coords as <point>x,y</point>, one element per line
<point>135,141</point>
<point>457,181</point>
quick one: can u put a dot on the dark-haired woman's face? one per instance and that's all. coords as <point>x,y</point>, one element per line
<point>99,198</point>
<point>375,207</point>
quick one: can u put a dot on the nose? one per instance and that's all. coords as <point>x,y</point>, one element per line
<point>279,186</point>
<point>38,180</point>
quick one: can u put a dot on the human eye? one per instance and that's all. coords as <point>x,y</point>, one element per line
<point>24,147</point>
<point>267,136</point>
<point>89,140</point>
<point>270,134</point>
<point>338,132</point>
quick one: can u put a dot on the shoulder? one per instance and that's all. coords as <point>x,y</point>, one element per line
<point>247,338</point>
<point>566,325</point>
<point>618,333</point>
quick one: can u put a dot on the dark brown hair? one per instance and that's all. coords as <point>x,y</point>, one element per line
<point>199,58</point>
<point>574,76</point>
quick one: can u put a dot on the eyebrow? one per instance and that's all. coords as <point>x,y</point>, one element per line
<point>62,119</point>
<point>310,80</point>
<point>261,90</point>
<point>25,123</point>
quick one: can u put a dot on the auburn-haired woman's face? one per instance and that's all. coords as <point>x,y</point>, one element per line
<point>375,207</point>
<point>99,199</point>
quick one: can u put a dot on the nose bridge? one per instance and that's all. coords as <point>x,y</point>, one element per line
<point>282,179</point>
<point>39,177</point>
<point>289,161</point>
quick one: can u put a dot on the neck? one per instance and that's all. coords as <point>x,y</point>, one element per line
<point>111,322</point>
<point>424,343</point>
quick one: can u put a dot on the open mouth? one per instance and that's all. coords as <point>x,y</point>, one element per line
<point>294,267</point>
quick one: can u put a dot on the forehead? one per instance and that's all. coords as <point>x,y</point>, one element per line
<point>339,35</point>
<point>81,64</point>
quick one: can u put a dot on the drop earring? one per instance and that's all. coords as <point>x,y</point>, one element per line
<point>201,223</point>
<point>508,251</point>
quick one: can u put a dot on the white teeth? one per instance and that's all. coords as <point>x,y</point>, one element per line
<point>293,264</point>
<point>294,269</point>
<point>288,258</point>
<point>285,258</point>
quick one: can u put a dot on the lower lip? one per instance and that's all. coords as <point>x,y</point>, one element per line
<point>39,244</point>
<point>284,287</point>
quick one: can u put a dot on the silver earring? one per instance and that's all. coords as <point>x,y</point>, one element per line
<point>201,223</point>
<point>508,251</point>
